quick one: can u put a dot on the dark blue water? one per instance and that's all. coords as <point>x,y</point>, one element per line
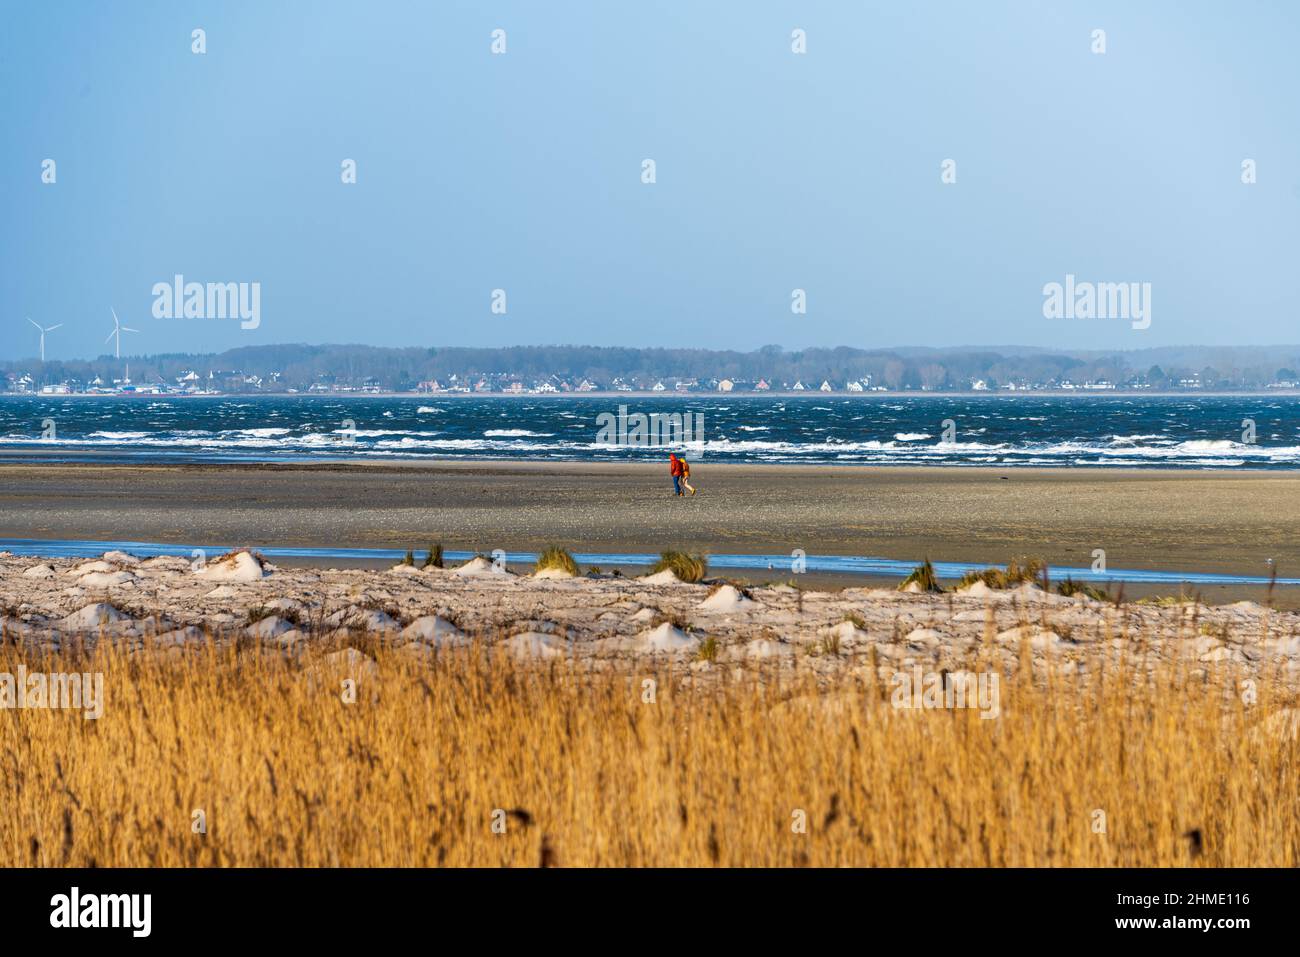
<point>1001,430</point>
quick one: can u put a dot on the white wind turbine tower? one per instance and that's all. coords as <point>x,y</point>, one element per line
<point>43,331</point>
<point>118,329</point>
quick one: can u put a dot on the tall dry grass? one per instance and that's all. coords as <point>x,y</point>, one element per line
<point>583,771</point>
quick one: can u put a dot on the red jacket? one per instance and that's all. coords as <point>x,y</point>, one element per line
<point>674,465</point>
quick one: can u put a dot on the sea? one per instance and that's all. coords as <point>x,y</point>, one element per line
<point>1004,430</point>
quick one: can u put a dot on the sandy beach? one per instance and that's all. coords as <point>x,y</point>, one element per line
<point>1175,520</point>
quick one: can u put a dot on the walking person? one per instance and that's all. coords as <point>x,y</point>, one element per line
<point>686,476</point>
<point>675,470</point>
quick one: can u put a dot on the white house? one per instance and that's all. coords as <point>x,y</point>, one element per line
<point>726,385</point>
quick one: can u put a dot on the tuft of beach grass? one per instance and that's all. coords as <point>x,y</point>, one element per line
<point>923,577</point>
<point>688,568</point>
<point>1069,588</point>
<point>1019,571</point>
<point>558,558</point>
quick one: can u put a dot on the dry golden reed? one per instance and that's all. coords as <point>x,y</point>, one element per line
<point>583,770</point>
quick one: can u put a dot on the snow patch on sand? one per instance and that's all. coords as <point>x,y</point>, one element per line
<point>106,579</point>
<point>727,598</point>
<point>664,639</point>
<point>433,629</point>
<point>534,644</point>
<point>665,577</point>
<point>761,648</point>
<point>93,616</point>
<point>479,566</point>
<point>553,572</point>
<point>268,627</point>
<point>239,567</point>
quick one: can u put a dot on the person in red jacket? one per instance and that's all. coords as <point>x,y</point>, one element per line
<point>675,470</point>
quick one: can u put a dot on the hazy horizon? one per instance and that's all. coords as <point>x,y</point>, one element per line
<point>522,171</point>
<point>1005,348</point>
<point>903,348</point>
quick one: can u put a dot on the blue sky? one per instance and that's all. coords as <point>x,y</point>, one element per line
<point>522,171</point>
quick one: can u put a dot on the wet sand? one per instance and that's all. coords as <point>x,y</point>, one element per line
<point>1185,520</point>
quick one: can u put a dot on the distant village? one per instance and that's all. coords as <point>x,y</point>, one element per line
<point>556,370</point>
<point>234,382</point>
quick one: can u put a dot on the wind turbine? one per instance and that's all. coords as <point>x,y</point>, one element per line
<point>43,331</point>
<point>118,329</point>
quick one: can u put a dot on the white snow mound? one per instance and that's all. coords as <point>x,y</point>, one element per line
<point>268,627</point>
<point>433,629</point>
<point>534,644</point>
<point>93,616</point>
<point>554,572</point>
<point>478,567</point>
<point>106,579</point>
<point>727,598</point>
<point>665,577</point>
<point>665,638</point>
<point>239,567</point>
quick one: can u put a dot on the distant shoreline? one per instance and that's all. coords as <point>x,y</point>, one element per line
<point>809,394</point>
